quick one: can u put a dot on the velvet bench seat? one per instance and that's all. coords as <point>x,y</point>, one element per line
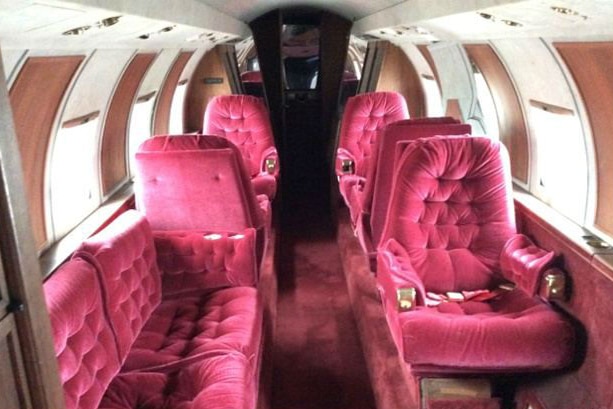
<point>129,334</point>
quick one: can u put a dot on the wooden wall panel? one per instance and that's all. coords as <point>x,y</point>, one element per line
<point>591,66</point>
<point>35,99</point>
<point>511,121</point>
<point>588,384</point>
<point>114,166</point>
<point>199,92</point>
<point>423,49</point>
<point>162,109</point>
<point>398,74</point>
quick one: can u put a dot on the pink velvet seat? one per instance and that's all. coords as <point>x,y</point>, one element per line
<point>154,332</point>
<point>244,121</point>
<point>83,339</point>
<point>364,117</point>
<point>450,228</point>
<point>218,382</point>
<point>369,205</point>
<point>198,183</point>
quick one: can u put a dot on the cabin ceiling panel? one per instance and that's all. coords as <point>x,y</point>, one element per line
<point>29,24</point>
<point>11,59</point>
<point>476,20</point>
<point>247,10</point>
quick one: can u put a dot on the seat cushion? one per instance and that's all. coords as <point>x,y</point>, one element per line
<point>182,329</point>
<point>83,340</point>
<point>512,333</point>
<point>217,382</point>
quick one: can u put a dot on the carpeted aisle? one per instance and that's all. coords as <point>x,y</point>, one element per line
<point>317,357</point>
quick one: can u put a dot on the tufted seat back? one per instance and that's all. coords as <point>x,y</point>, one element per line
<point>84,342</point>
<point>364,116</point>
<point>195,182</point>
<point>451,210</point>
<point>125,257</point>
<point>378,186</point>
<point>244,121</point>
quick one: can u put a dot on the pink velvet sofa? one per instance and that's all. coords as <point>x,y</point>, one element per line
<point>448,243</point>
<point>365,115</point>
<point>157,320</point>
<point>244,121</point>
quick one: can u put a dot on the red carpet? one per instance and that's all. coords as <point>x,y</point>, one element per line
<point>317,357</point>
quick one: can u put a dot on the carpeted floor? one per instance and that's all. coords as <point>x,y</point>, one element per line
<point>317,357</point>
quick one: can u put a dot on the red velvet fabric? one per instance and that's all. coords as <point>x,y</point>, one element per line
<point>451,210</point>
<point>449,219</point>
<point>515,332</point>
<point>364,116</point>
<point>83,340</point>
<point>195,182</point>
<point>524,263</point>
<point>217,382</point>
<point>196,260</point>
<point>183,329</point>
<point>125,258</point>
<point>378,186</point>
<point>244,121</point>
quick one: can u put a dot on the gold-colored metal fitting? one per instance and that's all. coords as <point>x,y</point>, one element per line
<point>553,285</point>
<point>347,166</point>
<point>270,165</point>
<point>406,298</point>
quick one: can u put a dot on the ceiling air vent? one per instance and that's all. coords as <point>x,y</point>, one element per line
<point>107,22</point>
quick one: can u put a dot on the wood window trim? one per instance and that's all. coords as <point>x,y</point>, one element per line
<point>35,110</point>
<point>164,103</point>
<point>511,123</point>
<point>589,65</point>
<point>114,136</point>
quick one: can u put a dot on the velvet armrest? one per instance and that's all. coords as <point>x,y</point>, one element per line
<point>195,260</point>
<point>396,275</point>
<point>524,263</point>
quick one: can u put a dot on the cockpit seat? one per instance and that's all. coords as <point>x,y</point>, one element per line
<point>459,284</point>
<point>370,204</point>
<point>365,115</point>
<point>244,121</point>
<point>198,183</point>
<point>252,83</point>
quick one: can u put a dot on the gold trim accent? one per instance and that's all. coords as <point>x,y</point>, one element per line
<point>271,165</point>
<point>347,167</point>
<point>406,298</point>
<point>553,285</point>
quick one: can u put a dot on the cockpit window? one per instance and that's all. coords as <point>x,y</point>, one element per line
<point>300,56</point>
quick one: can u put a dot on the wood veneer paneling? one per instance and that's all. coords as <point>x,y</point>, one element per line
<point>114,165</point>
<point>591,65</point>
<point>398,74</point>
<point>199,93</point>
<point>162,110</point>
<point>511,121</point>
<point>35,99</point>
<point>423,49</point>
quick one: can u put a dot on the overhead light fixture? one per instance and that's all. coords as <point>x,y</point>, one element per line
<point>107,22</point>
<point>76,31</point>
<point>565,11</point>
<point>161,31</point>
<point>493,19</point>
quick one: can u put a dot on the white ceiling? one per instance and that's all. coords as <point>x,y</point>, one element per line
<point>39,24</point>
<point>247,10</point>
